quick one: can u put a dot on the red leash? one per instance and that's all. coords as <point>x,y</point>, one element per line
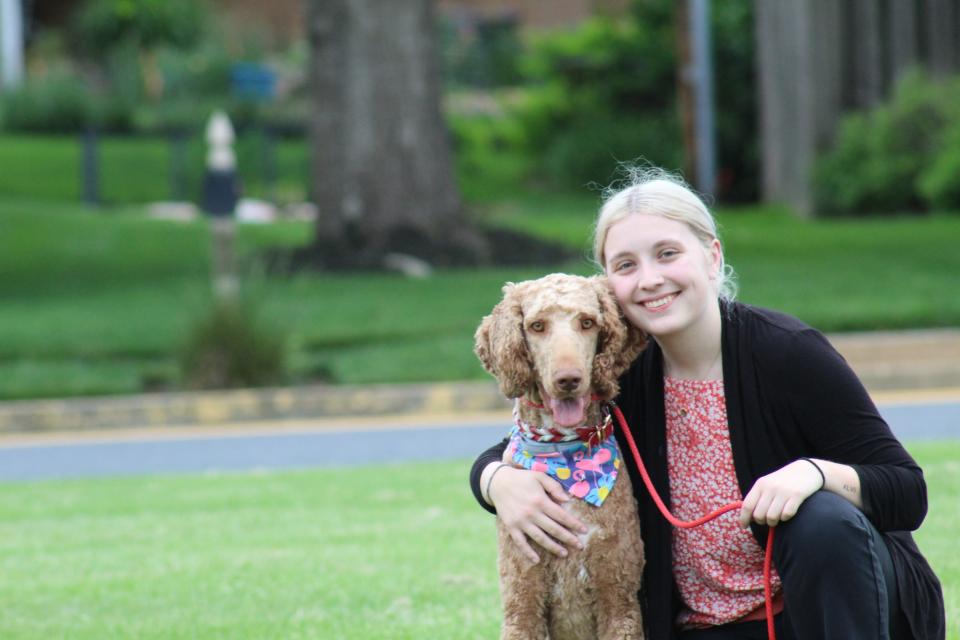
<point>768,554</point>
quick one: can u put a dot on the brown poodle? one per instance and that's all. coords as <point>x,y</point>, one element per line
<point>558,345</point>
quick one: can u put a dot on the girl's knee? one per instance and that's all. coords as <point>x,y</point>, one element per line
<point>826,528</point>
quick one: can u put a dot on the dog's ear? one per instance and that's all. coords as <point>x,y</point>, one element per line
<point>618,345</point>
<point>481,343</point>
<point>500,345</point>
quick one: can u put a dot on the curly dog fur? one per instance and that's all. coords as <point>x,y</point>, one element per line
<point>558,339</point>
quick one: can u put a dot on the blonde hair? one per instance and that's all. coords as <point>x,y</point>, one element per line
<point>654,191</point>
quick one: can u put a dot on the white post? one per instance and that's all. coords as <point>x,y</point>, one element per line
<point>11,44</point>
<point>220,200</point>
<point>220,138</point>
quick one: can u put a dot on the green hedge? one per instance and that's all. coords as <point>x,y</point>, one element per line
<point>600,95</point>
<point>903,156</point>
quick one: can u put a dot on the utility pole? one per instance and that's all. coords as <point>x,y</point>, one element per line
<point>696,93</point>
<point>11,44</point>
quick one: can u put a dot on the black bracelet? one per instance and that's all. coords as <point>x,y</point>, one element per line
<point>490,480</point>
<point>823,478</point>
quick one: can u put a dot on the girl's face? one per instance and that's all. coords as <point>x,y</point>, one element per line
<point>662,275</point>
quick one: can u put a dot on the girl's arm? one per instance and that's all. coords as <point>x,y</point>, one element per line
<point>528,503</point>
<point>776,497</point>
<point>862,460</point>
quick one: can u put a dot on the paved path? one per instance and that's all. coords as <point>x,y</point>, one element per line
<point>325,443</point>
<point>252,451</point>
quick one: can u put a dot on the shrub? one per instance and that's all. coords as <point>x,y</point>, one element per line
<point>885,160</point>
<point>489,154</point>
<point>605,76</point>
<point>939,184</point>
<point>233,346</point>
<point>480,53</point>
<point>56,103</point>
<point>101,25</point>
<point>61,102</point>
<point>592,152</point>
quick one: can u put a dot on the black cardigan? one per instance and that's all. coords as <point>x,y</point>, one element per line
<point>789,394</point>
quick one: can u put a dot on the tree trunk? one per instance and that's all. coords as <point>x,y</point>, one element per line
<point>382,172</point>
<point>904,46</point>
<point>942,48</point>
<point>866,53</point>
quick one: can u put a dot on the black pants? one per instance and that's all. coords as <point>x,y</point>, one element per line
<point>838,580</point>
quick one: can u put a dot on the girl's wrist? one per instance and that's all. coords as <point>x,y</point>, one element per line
<point>842,480</point>
<point>823,477</point>
<point>486,479</point>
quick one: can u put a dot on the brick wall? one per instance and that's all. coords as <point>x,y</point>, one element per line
<point>537,14</point>
<point>282,20</point>
<point>277,21</point>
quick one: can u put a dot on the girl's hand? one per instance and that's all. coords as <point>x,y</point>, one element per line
<point>529,505</point>
<point>776,497</point>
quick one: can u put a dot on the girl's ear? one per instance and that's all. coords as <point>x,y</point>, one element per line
<point>501,347</point>
<point>715,256</point>
<point>618,345</point>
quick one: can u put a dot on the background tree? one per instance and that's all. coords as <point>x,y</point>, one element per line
<point>605,92</point>
<point>113,31</point>
<point>382,170</point>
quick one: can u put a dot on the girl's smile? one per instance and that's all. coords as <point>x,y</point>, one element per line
<point>659,304</point>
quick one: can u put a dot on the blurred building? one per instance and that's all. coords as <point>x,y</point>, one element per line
<point>283,19</point>
<point>534,14</point>
<point>280,22</point>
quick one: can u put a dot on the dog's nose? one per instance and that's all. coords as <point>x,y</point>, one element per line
<point>568,380</point>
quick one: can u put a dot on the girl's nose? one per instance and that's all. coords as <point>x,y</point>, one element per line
<point>649,278</point>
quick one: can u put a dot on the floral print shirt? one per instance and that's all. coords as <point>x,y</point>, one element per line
<point>718,566</point>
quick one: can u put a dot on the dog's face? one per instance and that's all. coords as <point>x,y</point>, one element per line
<point>561,325</point>
<point>560,336</point>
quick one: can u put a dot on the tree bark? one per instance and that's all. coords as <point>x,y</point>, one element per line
<point>942,28</point>
<point>866,54</point>
<point>904,45</point>
<point>382,166</point>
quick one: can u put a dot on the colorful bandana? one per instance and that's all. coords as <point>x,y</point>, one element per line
<point>585,472</point>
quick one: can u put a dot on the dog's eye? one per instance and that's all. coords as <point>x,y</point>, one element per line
<point>536,326</point>
<point>587,323</point>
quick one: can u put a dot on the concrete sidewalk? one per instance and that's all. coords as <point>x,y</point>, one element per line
<point>896,361</point>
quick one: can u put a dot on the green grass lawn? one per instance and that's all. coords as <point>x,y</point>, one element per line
<point>335,553</point>
<point>99,301</point>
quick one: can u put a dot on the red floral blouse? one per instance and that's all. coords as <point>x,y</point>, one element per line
<point>718,566</point>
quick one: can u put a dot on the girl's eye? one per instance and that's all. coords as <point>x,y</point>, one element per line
<point>669,253</point>
<point>587,323</point>
<point>536,326</point>
<point>622,266</point>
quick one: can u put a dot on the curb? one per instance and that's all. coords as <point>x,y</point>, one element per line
<point>885,361</point>
<point>246,405</point>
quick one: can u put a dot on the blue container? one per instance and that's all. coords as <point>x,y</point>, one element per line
<point>253,81</point>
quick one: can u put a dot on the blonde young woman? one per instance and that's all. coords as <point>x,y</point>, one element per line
<point>733,402</point>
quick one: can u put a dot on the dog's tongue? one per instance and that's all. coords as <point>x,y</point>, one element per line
<point>568,412</point>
